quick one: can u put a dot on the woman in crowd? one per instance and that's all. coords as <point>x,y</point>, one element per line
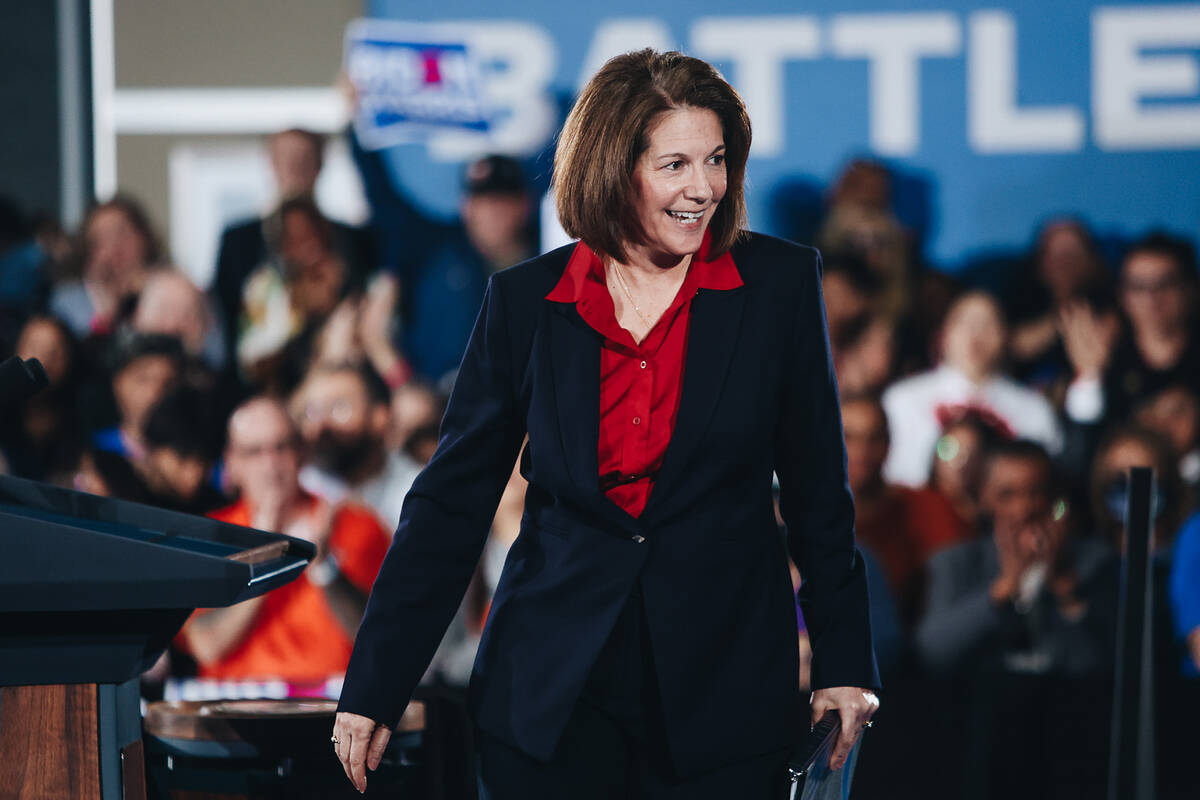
<point>288,298</point>
<point>117,247</point>
<point>1065,270</point>
<point>1175,413</point>
<point>43,439</point>
<point>970,377</point>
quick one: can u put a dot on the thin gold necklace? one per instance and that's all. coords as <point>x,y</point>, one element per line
<point>636,307</point>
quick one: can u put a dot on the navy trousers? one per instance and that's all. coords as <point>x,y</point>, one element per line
<point>614,746</point>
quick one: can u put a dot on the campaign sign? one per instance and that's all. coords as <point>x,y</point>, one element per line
<point>412,80</point>
<point>993,115</point>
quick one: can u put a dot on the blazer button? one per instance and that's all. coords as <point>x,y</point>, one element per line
<point>637,538</point>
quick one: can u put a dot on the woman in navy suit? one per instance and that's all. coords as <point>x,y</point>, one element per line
<point>642,639</point>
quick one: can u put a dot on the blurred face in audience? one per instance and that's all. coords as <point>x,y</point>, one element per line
<point>876,236</point>
<point>1121,455</point>
<point>1066,264</point>
<point>864,183</point>
<point>116,250</point>
<point>340,424</point>
<point>974,336</point>
<point>171,304</point>
<point>1174,413</point>
<point>295,162</point>
<point>302,243</point>
<point>316,275</point>
<point>44,340</point>
<point>140,384</point>
<point>496,222</point>
<point>1153,293</point>
<point>1110,485</point>
<point>865,364</point>
<point>1016,492</point>
<point>263,453</point>
<point>866,434</point>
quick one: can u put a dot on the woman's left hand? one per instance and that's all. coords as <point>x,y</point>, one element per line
<point>855,706</point>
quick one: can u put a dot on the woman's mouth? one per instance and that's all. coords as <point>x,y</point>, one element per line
<point>686,217</point>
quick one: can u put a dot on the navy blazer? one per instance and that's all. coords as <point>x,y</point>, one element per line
<point>759,395</point>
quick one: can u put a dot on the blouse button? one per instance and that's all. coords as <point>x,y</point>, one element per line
<point>637,420</point>
<point>643,365</point>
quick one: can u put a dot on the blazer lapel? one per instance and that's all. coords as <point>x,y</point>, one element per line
<point>575,356</point>
<point>716,317</point>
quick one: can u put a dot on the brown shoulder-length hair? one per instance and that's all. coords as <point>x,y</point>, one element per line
<point>608,130</point>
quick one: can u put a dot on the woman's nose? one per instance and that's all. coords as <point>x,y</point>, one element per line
<point>698,188</point>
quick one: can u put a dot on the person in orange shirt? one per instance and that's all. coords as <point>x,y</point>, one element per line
<point>301,633</point>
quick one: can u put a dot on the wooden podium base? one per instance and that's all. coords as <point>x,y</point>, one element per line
<point>71,741</point>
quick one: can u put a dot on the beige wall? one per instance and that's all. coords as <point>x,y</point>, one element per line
<point>216,43</point>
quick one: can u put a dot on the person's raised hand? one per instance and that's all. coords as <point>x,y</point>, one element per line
<point>315,527</point>
<point>337,342</point>
<point>1014,560</point>
<point>1088,338</point>
<point>375,322</point>
<point>270,505</point>
<point>855,706</point>
<point>359,742</point>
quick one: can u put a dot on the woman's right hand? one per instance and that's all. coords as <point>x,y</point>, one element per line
<point>360,742</point>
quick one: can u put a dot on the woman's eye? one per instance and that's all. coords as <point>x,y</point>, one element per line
<point>675,165</point>
<point>717,160</point>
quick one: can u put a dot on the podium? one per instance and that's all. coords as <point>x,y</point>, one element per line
<point>92,590</point>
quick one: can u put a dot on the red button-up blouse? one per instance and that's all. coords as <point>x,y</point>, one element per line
<point>640,384</point>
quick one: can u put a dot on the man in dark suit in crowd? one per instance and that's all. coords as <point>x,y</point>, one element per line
<point>1020,625</point>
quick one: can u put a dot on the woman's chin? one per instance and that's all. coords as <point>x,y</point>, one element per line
<point>677,246</point>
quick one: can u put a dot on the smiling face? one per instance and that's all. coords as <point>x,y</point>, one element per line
<point>677,183</point>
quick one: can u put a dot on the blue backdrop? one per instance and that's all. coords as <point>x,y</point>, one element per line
<point>994,115</point>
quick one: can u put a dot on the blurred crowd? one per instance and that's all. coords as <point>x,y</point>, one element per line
<point>990,423</point>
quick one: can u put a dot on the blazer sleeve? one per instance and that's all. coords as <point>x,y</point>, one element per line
<point>815,500</point>
<point>444,524</point>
